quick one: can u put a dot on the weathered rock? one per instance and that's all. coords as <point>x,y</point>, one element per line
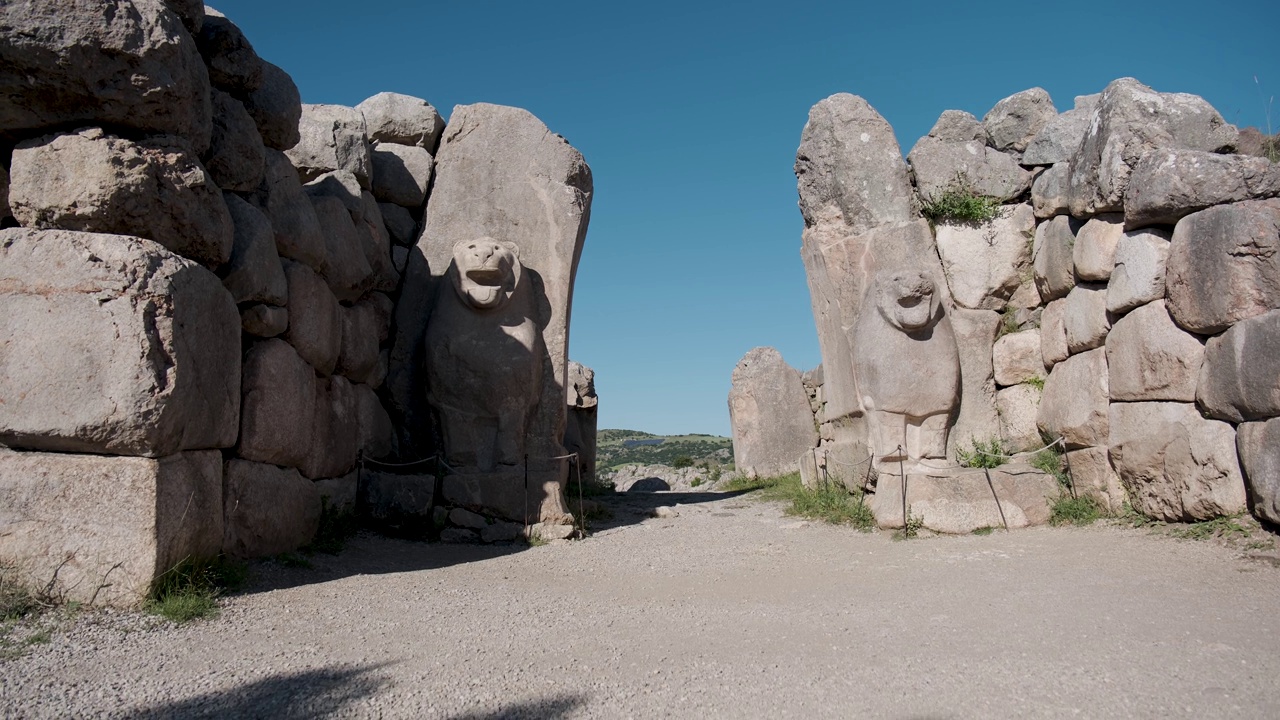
<point>347,269</point>
<point>656,478</point>
<point>342,185</point>
<point>298,233</point>
<point>376,430</point>
<point>4,194</point>
<point>1092,476</point>
<point>1240,377</point>
<point>467,519</point>
<point>401,226</point>
<point>254,273</point>
<point>1138,277</point>
<point>269,510</point>
<point>375,242</point>
<point>339,495</point>
<point>501,532</point>
<point>978,418</point>
<point>1085,318</point>
<point>279,405</point>
<point>400,258</point>
<point>91,181</point>
<point>1151,358</point>
<point>191,12</point>
<point>957,126</point>
<point>315,319</point>
<point>332,137</point>
<point>1170,183</point>
<point>128,64</point>
<point>1053,333</point>
<point>1018,407</point>
<point>1176,465</point>
<point>335,430</point>
<point>237,158</point>
<point>1074,404</point>
<point>1049,195</point>
<point>359,349</point>
<point>1130,120</point>
<point>1253,141</point>
<point>1258,444</point>
<point>399,504</point>
<point>769,412</point>
<point>401,174</point>
<point>233,64</point>
<point>1094,252</point>
<point>985,264</point>
<point>402,119</point>
<point>961,501</point>
<point>380,372</point>
<point>100,529</point>
<point>1224,265</point>
<point>1017,358</point>
<point>580,424</point>
<point>1017,119</point>
<point>383,309</point>
<point>276,108</point>
<point>113,345</point>
<point>939,166</point>
<point>264,320</point>
<point>1052,249</point>
<point>1058,140</point>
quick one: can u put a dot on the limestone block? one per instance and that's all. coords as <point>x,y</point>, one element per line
<point>1176,465</point>
<point>298,233</point>
<point>1049,191</point>
<point>1018,407</point>
<point>1092,476</point>
<point>380,372</point>
<point>1240,377</point>
<point>936,165</point>
<point>1170,183</point>
<point>340,184</point>
<point>105,527</point>
<point>279,405</point>
<point>1017,358</point>
<point>978,419</point>
<point>347,269</point>
<point>129,64</point>
<point>1258,444</point>
<point>276,108</point>
<point>91,181</point>
<point>268,510</point>
<point>335,430</point>
<point>376,245</point>
<point>254,273</point>
<point>961,501</point>
<point>1074,404</point>
<point>1138,277</point>
<point>191,12</point>
<point>332,137</point>
<point>233,64</point>
<point>376,430</point>
<point>985,264</point>
<point>236,157</point>
<point>1224,265</point>
<point>339,494</point>
<point>501,532</point>
<point>1151,358</point>
<point>401,174</point>
<point>400,224</point>
<point>1130,120</point>
<point>1094,253</point>
<point>1085,317</point>
<point>1017,119</point>
<point>1052,249</point>
<point>358,356</point>
<point>315,319</point>
<point>957,126</point>
<point>769,413</point>
<point>1058,139</point>
<point>402,119</point>
<point>383,309</point>
<point>264,321</point>
<point>1053,333</point>
<point>113,345</point>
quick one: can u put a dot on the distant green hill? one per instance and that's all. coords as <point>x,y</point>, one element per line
<point>624,447</point>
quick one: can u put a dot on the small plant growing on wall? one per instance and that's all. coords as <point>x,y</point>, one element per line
<point>983,454</point>
<point>960,202</point>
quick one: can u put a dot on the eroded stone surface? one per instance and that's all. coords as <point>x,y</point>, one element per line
<point>1074,404</point>
<point>770,415</point>
<point>1138,277</point>
<point>1017,358</point>
<point>268,510</point>
<point>1053,333</point>
<point>1054,267</point>
<point>401,174</point>
<point>335,430</point>
<point>1258,444</point>
<point>986,264</point>
<point>1018,407</point>
<point>1240,377</point>
<point>254,273</point>
<point>936,166</point>
<point>1017,119</point>
<point>315,320</point>
<point>1085,317</point>
<point>276,108</point>
<point>331,137</point>
<point>1094,252</point>
<point>236,157</point>
<point>279,405</point>
<point>298,233</point>
<point>1151,358</point>
<point>233,64</point>
<point>1092,476</point>
<point>402,119</point>
<point>962,500</point>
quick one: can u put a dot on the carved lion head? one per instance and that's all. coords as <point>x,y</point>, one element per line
<point>488,272</point>
<point>908,299</point>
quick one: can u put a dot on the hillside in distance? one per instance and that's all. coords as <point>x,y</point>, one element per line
<point>625,447</point>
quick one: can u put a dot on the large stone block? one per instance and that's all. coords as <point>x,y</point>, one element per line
<point>279,390</point>
<point>276,108</point>
<point>298,233</point>
<point>1176,465</point>
<point>99,530</point>
<point>1016,358</point>
<point>1049,191</point>
<point>114,345</point>
<point>91,181</point>
<point>769,412</point>
<point>332,137</point>
<point>399,504</point>
<point>268,510</point>
<point>978,420</point>
<point>1018,407</point>
<point>375,242</point>
<point>1092,476</point>
<point>960,501</point>
<point>254,273</point>
<point>1170,183</point>
<point>937,165</point>
<point>1138,277</point>
<point>1017,119</point>
<point>1224,265</point>
<point>986,264</point>
<point>347,268</point>
<point>1094,253</point>
<point>399,222</point>
<point>401,174</point>
<point>1240,377</point>
<point>128,63</point>
<point>402,119</point>
<point>359,350</point>
<point>335,430</point>
<point>266,321</point>
<point>236,157</point>
<point>315,318</point>
<point>1085,317</point>
<point>1151,358</point>
<point>376,431</point>
<point>1060,137</point>
<point>233,64</point>
<point>1258,444</point>
<point>1052,249</point>
<point>1053,333</point>
<point>1074,405</point>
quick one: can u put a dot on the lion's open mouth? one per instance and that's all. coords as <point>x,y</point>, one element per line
<point>486,276</point>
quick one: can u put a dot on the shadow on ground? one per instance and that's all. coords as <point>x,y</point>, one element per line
<point>289,696</point>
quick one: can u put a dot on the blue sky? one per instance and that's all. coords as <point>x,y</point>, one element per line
<point>689,115</point>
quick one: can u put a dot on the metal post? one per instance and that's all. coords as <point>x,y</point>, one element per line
<point>527,530</point>
<point>903,473</point>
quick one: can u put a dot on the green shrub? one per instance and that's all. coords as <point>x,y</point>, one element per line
<point>961,203</point>
<point>191,589</point>
<point>1075,511</point>
<point>1049,460</point>
<point>682,461</point>
<point>829,502</point>
<point>989,454</point>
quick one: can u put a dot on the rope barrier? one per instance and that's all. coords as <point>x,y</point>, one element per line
<point>411,463</point>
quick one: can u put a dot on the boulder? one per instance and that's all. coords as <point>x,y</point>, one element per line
<point>268,510</point>
<point>347,268</point>
<point>940,166</point>
<point>1085,318</point>
<point>358,357</point>
<point>1092,476</point>
<point>279,402</point>
<point>1018,407</point>
<point>254,273</point>
<point>1138,277</point>
<point>975,334</point>
<point>375,242</point>
<point>402,119</point>
<point>335,430</point>
<point>91,181</point>
<point>332,137</point>
<point>1224,265</point>
<point>113,345</point>
<point>129,64</point>
<point>400,258</point>
<point>1170,183</point>
<point>298,233</point>
<point>233,64</point>
<point>1017,119</point>
<point>1058,140</point>
<point>1017,358</point>
<point>399,504</point>
<point>1240,377</point>
<point>400,224</point>
<point>580,425</point>
<point>315,319</point>
<point>237,158</point>
<point>98,530</point>
<point>264,321</point>
<point>191,12</point>
<point>1052,251</point>
<point>376,431</point>
<point>769,412</point>
<point>343,186</point>
<point>1130,120</point>
<point>959,501</point>
<point>1094,253</point>
<point>1049,191</point>
<point>1151,358</point>
<point>957,126</point>
<point>1074,404</point>
<point>1053,333</point>
<point>1176,465</point>
<point>340,494</point>
<point>985,264</point>
<point>276,108</point>
<point>383,308</point>
<point>1258,444</point>
<point>401,174</point>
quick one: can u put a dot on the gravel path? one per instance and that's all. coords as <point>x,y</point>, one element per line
<point>728,609</point>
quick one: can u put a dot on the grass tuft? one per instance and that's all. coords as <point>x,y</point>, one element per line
<point>1049,460</point>
<point>985,530</point>
<point>830,502</point>
<point>1222,527</point>
<point>989,454</point>
<point>961,203</point>
<point>1069,510</point>
<point>190,590</point>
